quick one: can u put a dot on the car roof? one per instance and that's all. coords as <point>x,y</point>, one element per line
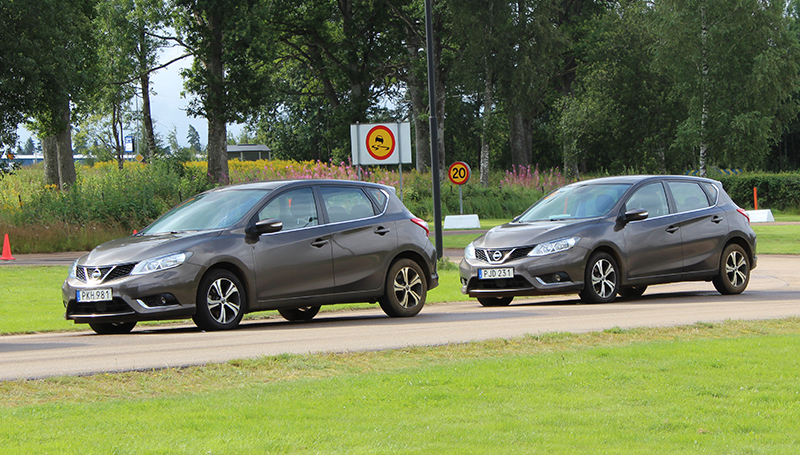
<point>276,184</point>
<point>633,179</point>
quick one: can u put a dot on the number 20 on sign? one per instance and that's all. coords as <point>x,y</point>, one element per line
<point>459,173</point>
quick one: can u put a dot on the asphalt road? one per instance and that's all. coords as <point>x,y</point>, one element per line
<point>774,292</point>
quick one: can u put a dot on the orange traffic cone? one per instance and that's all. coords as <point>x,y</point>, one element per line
<point>6,250</point>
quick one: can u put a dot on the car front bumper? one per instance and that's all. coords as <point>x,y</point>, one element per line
<point>170,294</point>
<point>558,273</point>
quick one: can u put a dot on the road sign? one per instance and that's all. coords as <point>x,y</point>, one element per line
<point>384,143</point>
<point>129,144</point>
<point>459,173</point>
<point>380,142</point>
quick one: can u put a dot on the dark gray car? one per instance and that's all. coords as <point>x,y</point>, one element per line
<point>290,246</point>
<point>612,236</point>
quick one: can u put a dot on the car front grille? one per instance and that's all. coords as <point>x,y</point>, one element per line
<point>86,274</point>
<point>503,255</point>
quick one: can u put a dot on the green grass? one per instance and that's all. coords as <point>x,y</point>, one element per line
<point>777,239</point>
<point>685,390</point>
<point>30,299</point>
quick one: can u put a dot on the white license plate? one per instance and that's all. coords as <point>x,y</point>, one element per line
<point>491,274</point>
<point>94,295</point>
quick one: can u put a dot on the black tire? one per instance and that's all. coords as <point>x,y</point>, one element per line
<point>632,291</point>
<point>220,301</point>
<point>112,328</point>
<point>299,314</point>
<point>734,271</point>
<point>601,279</point>
<point>406,289</point>
<point>495,301</point>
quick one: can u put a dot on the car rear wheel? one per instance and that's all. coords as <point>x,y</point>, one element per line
<point>734,271</point>
<point>112,328</point>
<point>495,301</point>
<point>299,314</point>
<point>601,280</point>
<point>632,291</point>
<point>406,289</point>
<point>220,301</point>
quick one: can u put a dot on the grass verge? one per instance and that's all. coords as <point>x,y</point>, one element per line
<point>705,388</point>
<point>30,299</point>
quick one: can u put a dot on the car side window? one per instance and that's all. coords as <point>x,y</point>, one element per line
<point>379,196</point>
<point>346,203</point>
<point>296,209</point>
<point>651,198</point>
<point>688,196</point>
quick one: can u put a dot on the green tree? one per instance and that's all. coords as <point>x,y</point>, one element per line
<point>734,65</point>
<point>229,43</point>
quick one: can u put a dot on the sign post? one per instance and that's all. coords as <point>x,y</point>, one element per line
<point>459,173</point>
<point>382,143</point>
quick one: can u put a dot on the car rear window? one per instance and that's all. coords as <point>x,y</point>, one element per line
<point>688,196</point>
<point>346,203</point>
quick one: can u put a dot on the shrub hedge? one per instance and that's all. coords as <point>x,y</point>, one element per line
<point>775,191</point>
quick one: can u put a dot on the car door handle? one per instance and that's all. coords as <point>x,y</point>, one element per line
<point>380,230</point>
<point>716,219</point>
<point>673,229</point>
<point>319,243</point>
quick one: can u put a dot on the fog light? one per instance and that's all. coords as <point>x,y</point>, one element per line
<point>557,278</point>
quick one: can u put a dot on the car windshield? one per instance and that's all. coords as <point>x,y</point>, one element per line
<point>213,210</point>
<point>575,202</point>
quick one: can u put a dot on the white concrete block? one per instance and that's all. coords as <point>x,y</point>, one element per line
<point>462,222</point>
<point>760,216</point>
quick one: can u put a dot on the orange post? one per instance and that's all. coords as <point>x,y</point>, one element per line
<point>755,198</point>
<point>6,250</point>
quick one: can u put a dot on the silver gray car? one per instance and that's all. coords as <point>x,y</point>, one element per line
<point>614,235</point>
<point>290,246</point>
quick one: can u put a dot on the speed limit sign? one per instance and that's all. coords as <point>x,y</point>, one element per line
<point>459,173</point>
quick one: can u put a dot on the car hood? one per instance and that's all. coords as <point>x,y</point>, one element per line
<point>132,249</point>
<point>529,234</point>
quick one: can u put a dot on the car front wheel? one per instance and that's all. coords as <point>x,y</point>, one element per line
<point>734,271</point>
<point>220,301</point>
<point>601,279</point>
<point>406,289</point>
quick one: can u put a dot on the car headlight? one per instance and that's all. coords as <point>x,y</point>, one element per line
<point>469,251</point>
<point>73,270</point>
<point>160,263</point>
<point>555,246</point>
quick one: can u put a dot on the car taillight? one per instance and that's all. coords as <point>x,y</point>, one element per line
<point>421,223</point>
<point>744,213</point>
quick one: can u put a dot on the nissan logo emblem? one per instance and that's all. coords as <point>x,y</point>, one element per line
<point>96,274</point>
<point>497,255</point>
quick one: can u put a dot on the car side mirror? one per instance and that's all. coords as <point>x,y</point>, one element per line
<point>268,226</point>
<point>634,215</point>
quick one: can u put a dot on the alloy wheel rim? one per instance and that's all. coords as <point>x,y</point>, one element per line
<point>603,277</point>
<point>736,269</point>
<point>408,287</point>
<point>223,301</point>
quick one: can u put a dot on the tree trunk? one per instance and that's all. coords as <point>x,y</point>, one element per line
<point>440,80</point>
<point>419,107</point>
<point>147,120</point>
<point>487,121</point>
<point>66,162</point>
<point>704,82</point>
<point>50,160</point>
<point>520,138</point>
<point>215,107</point>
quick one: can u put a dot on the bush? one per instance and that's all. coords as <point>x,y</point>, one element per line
<point>775,191</point>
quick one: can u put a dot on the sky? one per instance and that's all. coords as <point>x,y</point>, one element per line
<point>167,106</point>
